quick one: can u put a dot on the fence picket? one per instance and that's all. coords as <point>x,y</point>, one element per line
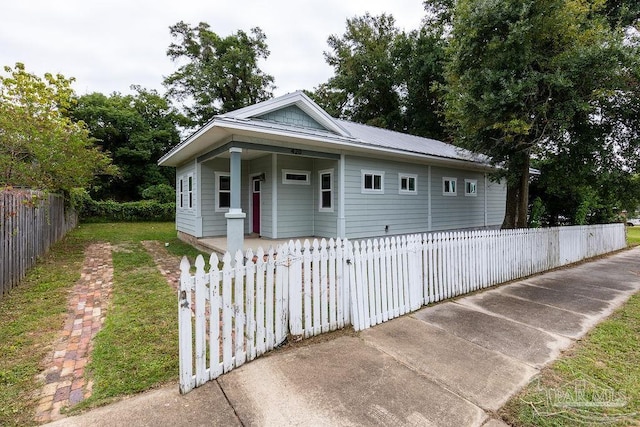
<point>215,367</point>
<point>227,314</point>
<point>200,323</point>
<point>187,382</point>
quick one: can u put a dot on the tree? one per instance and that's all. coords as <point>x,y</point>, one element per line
<point>525,79</point>
<point>40,145</point>
<point>364,87</point>
<point>220,74</point>
<point>385,77</point>
<point>137,129</point>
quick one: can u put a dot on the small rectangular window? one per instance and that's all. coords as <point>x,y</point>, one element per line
<point>372,182</point>
<point>326,190</point>
<point>190,192</point>
<point>181,192</point>
<point>471,187</point>
<point>408,184</point>
<point>295,177</point>
<point>449,186</point>
<point>223,193</point>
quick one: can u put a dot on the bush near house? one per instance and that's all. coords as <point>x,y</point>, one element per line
<point>91,210</point>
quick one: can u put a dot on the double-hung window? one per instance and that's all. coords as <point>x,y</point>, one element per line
<point>407,183</point>
<point>471,187</point>
<point>223,191</point>
<point>326,190</point>
<point>372,181</point>
<point>449,187</point>
<point>185,192</point>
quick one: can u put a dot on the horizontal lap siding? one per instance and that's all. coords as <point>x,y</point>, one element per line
<point>214,223</point>
<point>459,211</point>
<point>326,223</point>
<point>295,202</point>
<point>185,218</point>
<point>368,214</point>
<point>496,202</point>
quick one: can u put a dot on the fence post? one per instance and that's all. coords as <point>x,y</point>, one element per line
<point>184,332</point>
<point>200,323</point>
<point>295,288</point>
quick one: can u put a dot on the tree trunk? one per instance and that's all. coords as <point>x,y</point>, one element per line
<point>511,209</point>
<point>517,203</point>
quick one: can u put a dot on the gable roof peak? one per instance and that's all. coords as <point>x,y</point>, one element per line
<point>298,99</point>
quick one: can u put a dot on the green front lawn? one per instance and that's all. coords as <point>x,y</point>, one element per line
<point>138,347</point>
<point>597,382</point>
<point>633,235</point>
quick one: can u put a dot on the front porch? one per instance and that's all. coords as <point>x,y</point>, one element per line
<point>252,241</point>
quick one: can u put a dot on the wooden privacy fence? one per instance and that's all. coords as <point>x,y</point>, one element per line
<point>30,222</point>
<point>233,314</point>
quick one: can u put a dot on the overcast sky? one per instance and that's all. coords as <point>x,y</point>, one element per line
<point>109,45</point>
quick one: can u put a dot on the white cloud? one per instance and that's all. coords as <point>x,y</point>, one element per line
<point>109,45</point>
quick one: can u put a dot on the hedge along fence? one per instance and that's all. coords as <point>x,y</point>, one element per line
<point>30,222</point>
<point>109,210</point>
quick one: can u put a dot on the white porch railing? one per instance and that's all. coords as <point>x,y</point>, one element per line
<point>249,306</point>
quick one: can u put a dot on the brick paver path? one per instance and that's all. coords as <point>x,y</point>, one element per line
<point>169,265</point>
<point>64,376</point>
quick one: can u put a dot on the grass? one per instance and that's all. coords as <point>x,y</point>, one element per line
<point>31,317</point>
<point>599,378</point>
<point>136,349</point>
<point>633,236</point>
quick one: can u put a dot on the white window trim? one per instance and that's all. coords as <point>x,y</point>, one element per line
<point>320,190</point>
<point>184,193</point>
<point>408,176</point>
<point>217,191</point>
<point>190,198</point>
<point>475,186</point>
<point>364,172</point>
<point>455,181</point>
<point>296,172</point>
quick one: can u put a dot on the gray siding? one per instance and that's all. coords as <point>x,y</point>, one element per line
<point>295,202</point>
<point>367,215</point>
<point>214,223</point>
<point>496,199</point>
<point>186,218</point>
<point>325,223</point>
<point>459,211</point>
<point>292,115</point>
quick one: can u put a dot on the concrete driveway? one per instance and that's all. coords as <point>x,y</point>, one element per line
<point>452,364</point>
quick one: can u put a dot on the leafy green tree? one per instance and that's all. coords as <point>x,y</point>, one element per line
<point>385,77</point>
<point>218,74</point>
<point>365,86</point>
<point>422,55</point>
<point>40,145</point>
<point>137,129</point>
<point>525,78</point>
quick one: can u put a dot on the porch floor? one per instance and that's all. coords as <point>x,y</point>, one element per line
<point>219,244</point>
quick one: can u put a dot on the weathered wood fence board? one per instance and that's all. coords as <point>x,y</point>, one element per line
<point>249,306</point>
<point>30,222</point>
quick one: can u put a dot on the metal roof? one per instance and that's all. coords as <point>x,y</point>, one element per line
<point>341,134</point>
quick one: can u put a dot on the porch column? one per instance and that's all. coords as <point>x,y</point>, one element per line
<point>235,216</point>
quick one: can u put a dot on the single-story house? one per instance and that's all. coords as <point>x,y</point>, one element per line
<point>284,168</point>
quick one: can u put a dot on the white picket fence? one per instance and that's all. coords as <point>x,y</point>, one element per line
<point>236,313</point>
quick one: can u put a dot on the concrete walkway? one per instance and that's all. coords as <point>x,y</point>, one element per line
<point>453,364</point>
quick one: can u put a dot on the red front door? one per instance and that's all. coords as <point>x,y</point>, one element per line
<point>255,185</point>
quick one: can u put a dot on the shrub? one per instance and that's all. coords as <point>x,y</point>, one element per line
<point>108,210</point>
<point>162,193</point>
